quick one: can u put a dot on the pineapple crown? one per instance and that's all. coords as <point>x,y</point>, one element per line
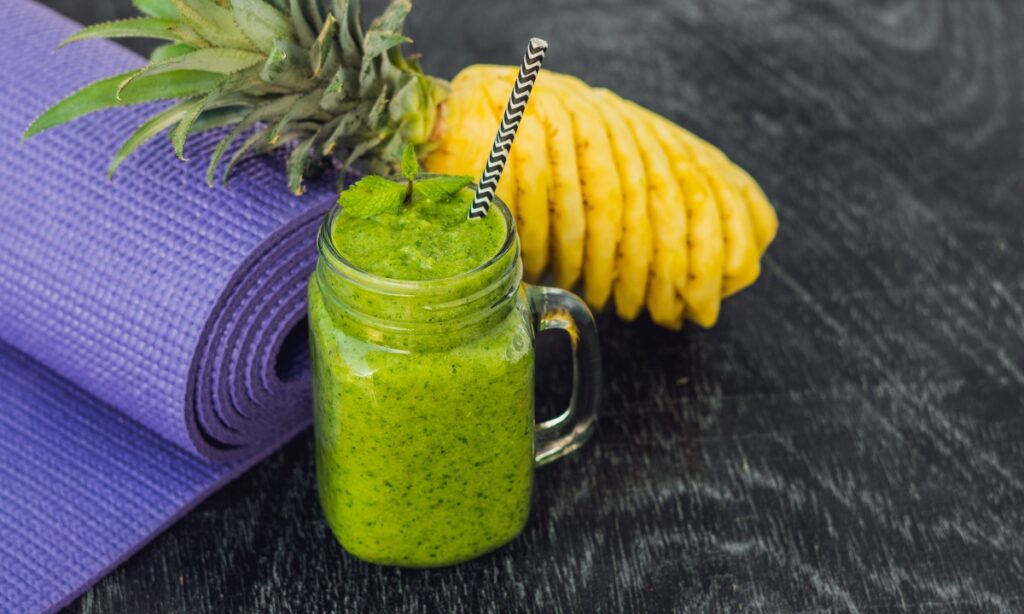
<point>281,72</point>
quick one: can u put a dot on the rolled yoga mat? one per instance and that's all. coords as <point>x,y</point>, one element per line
<point>151,328</point>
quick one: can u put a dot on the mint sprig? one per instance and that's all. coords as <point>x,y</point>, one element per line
<point>371,196</point>
<point>410,165</point>
<point>440,189</point>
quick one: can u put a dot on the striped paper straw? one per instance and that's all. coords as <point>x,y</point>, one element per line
<point>527,76</point>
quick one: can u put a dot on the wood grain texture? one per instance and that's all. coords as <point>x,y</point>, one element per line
<point>850,437</point>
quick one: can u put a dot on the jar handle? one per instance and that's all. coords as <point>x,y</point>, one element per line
<point>553,308</point>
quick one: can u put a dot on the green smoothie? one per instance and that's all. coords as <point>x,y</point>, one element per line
<point>423,368</point>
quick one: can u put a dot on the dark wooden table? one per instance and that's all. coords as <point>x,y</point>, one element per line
<point>849,437</point>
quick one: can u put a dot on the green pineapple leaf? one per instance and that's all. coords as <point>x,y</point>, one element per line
<point>304,106</point>
<point>170,50</point>
<point>361,148</point>
<point>348,126</point>
<point>223,61</point>
<point>304,68</point>
<point>304,29</point>
<point>350,34</point>
<point>393,17</point>
<point>314,14</point>
<point>214,23</point>
<point>157,8</point>
<point>261,23</point>
<point>256,138</point>
<point>141,27</point>
<point>152,127</point>
<point>216,118</point>
<point>103,95</point>
<point>297,164</point>
<point>323,47</point>
<point>263,113</point>
<point>377,43</point>
<point>184,127</point>
<point>287,65</point>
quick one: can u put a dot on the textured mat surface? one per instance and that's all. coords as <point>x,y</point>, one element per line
<point>145,353</point>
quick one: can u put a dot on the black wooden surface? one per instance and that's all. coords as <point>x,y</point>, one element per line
<point>849,437</point>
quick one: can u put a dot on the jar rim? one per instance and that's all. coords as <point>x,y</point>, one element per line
<point>326,246</point>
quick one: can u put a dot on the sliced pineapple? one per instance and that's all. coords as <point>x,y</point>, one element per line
<point>668,225</point>
<point>634,254</point>
<point>568,221</point>
<point>763,219</point>
<point>742,257</point>
<point>467,123</point>
<point>601,187</point>
<point>703,291</point>
<point>762,214</point>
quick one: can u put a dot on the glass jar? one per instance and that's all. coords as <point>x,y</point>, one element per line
<point>424,419</point>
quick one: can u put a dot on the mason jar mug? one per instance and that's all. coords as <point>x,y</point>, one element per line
<point>426,440</point>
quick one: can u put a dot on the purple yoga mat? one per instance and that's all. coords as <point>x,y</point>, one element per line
<point>145,347</point>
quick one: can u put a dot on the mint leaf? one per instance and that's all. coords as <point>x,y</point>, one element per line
<point>440,189</point>
<point>372,195</point>
<point>410,165</point>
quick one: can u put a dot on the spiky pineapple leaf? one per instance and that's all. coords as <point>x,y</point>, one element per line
<point>141,27</point>
<point>261,23</point>
<point>350,32</point>
<point>222,61</point>
<point>258,137</point>
<point>377,113</point>
<point>298,162</point>
<point>304,31</point>
<point>264,113</point>
<point>157,8</point>
<point>390,151</point>
<point>323,47</point>
<point>378,42</point>
<point>344,86</point>
<point>189,36</point>
<point>305,106</point>
<point>360,149</point>
<point>170,50</point>
<point>287,65</point>
<point>348,125</point>
<point>151,128</point>
<point>314,13</point>
<point>102,94</point>
<point>217,118</point>
<point>214,23</point>
<point>393,18</point>
<point>184,127</point>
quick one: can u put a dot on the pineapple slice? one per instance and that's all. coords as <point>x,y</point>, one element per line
<point>703,291</point>
<point>668,225</point>
<point>602,188</point>
<point>762,214</point>
<point>468,125</point>
<point>742,258</point>
<point>634,257</point>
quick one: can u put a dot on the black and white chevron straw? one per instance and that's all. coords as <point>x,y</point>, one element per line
<point>509,124</point>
